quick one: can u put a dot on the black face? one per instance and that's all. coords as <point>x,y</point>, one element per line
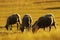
<point>22,28</point>
<point>35,27</point>
<point>33,30</point>
<point>6,27</point>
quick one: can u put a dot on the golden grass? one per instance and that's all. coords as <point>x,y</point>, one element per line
<point>35,10</point>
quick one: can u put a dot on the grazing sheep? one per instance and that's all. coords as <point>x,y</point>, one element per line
<point>43,22</point>
<point>26,22</point>
<point>12,19</point>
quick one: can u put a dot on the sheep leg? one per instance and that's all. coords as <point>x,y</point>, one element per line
<point>17,26</point>
<point>22,28</point>
<point>49,28</point>
<point>11,27</point>
<point>44,28</point>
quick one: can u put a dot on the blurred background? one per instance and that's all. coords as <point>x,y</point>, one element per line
<point>35,8</point>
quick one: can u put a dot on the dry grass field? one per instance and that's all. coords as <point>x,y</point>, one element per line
<point>35,9</point>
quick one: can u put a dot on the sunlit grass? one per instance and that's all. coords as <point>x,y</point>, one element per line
<point>36,11</point>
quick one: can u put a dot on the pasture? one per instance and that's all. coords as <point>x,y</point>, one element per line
<point>35,10</point>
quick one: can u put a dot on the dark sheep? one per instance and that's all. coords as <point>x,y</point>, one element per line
<point>43,22</point>
<point>12,19</point>
<point>26,23</point>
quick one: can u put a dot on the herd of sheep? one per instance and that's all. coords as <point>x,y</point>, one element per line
<point>43,22</point>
